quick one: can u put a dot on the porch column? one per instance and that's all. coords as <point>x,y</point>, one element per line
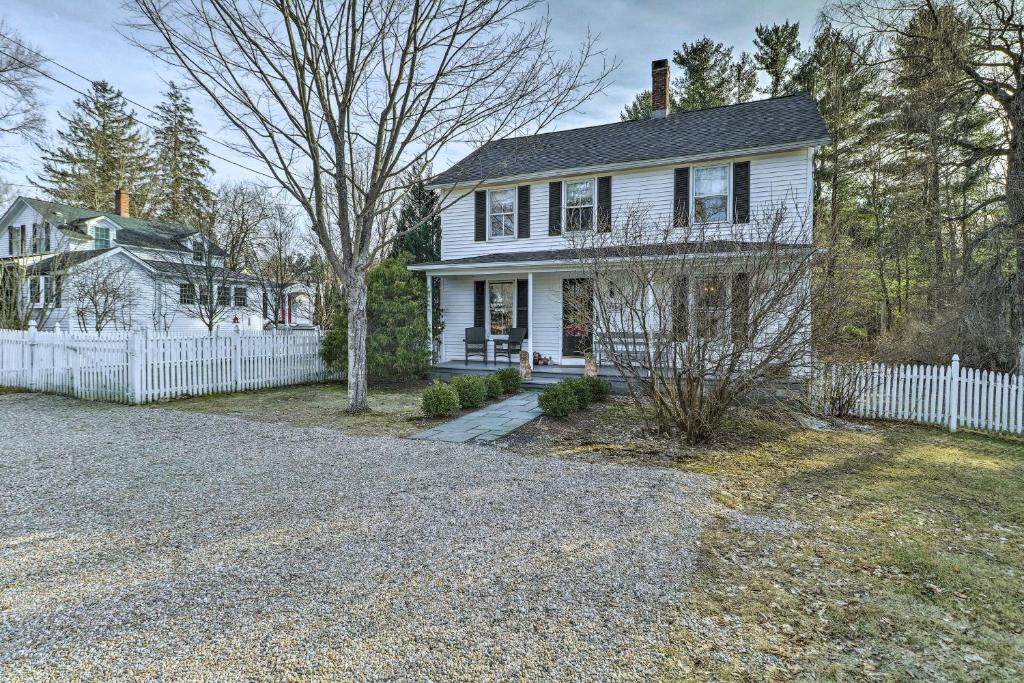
<point>430,315</point>
<point>530,316</point>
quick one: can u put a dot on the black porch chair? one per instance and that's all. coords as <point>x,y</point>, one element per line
<point>476,343</point>
<point>514,344</point>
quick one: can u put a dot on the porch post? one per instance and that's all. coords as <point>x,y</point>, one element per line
<point>430,316</point>
<point>529,318</point>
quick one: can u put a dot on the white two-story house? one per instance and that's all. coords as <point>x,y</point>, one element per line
<point>517,207</point>
<point>66,266</point>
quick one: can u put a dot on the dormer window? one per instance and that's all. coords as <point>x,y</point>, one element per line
<point>101,236</point>
<point>198,251</point>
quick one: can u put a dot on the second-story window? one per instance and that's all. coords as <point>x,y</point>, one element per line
<point>101,235</point>
<point>711,194</point>
<point>502,213</point>
<point>198,251</point>
<point>579,205</point>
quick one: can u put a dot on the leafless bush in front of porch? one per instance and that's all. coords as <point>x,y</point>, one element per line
<point>699,320</point>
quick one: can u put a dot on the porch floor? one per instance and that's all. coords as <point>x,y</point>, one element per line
<point>543,375</point>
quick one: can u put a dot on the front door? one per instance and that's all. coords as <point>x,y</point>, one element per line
<point>577,314</point>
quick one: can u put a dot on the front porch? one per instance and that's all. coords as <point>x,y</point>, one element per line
<point>543,375</point>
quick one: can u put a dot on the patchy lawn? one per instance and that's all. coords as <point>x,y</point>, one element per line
<point>394,411</point>
<point>903,558</point>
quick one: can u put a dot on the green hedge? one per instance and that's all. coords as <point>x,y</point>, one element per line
<point>559,400</point>
<point>472,390</point>
<point>440,400</point>
<point>494,386</point>
<point>510,379</point>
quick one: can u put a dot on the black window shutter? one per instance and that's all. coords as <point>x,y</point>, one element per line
<point>522,305</point>
<point>10,240</point>
<point>681,189</point>
<point>479,299</point>
<point>741,192</point>
<point>47,233</point>
<point>604,203</point>
<point>480,215</point>
<point>555,208</point>
<point>523,212</point>
<point>680,308</point>
<point>741,308</point>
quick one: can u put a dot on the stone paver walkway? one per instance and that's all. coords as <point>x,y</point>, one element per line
<point>489,423</point>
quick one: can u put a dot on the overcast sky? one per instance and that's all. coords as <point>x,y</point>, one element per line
<point>82,34</point>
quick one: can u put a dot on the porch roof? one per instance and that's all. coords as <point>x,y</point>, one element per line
<point>554,258</point>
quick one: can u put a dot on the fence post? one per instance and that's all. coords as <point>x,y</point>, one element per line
<point>953,393</point>
<point>236,359</point>
<point>32,331</point>
<point>135,368</point>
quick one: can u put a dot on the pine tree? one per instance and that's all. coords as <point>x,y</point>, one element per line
<point>181,165</point>
<point>776,46</point>
<point>102,150</point>
<point>711,78</point>
<point>639,109</point>
<point>419,225</point>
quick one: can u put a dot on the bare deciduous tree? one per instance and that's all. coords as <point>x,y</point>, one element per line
<point>205,288</point>
<point>27,295</point>
<point>20,68</point>
<point>278,262</point>
<point>695,319</point>
<point>241,213</point>
<point>340,99</point>
<point>101,294</point>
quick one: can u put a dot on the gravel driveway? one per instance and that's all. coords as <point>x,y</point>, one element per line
<point>142,543</point>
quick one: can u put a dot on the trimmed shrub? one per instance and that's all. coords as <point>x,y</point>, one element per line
<point>599,389</point>
<point>494,386</point>
<point>472,390</point>
<point>510,379</point>
<point>440,400</point>
<point>558,400</point>
<point>581,390</point>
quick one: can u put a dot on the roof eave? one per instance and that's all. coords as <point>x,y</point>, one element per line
<point>632,165</point>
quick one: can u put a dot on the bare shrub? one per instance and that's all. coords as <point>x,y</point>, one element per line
<point>836,388</point>
<point>698,320</point>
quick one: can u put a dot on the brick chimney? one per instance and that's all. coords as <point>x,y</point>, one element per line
<point>121,199</point>
<point>659,88</point>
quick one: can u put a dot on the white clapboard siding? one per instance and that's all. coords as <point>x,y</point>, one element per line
<point>929,394</point>
<point>133,368</point>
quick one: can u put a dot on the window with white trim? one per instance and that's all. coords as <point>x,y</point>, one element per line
<point>223,296</point>
<point>579,205</point>
<point>186,294</point>
<point>101,236</point>
<point>710,194</point>
<point>205,298</point>
<point>501,306</point>
<point>198,250</point>
<point>241,297</point>
<point>711,307</point>
<point>502,213</point>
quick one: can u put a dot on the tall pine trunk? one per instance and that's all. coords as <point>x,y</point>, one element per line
<point>355,293</point>
<point>1015,215</point>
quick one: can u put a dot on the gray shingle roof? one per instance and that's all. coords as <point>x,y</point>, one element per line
<point>780,122</point>
<point>64,260</point>
<point>198,271</point>
<point>663,249</point>
<point>131,232</point>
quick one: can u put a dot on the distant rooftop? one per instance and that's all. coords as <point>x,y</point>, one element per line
<point>777,123</point>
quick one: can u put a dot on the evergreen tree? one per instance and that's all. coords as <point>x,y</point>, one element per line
<point>419,225</point>
<point>776,46</point>
<point>181,165</point>
<point>639,109</point>
<point>102,150</point>
<point>711,78</point>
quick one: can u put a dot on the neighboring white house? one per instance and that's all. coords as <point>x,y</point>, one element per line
<point>507,252</point>
<point>158,270</point>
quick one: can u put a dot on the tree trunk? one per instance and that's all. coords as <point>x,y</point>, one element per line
<point>355,288</point>
<point>1015,215</point>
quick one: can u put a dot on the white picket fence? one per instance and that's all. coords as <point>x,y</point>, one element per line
<point>138,368</point>
<point>946,395</point>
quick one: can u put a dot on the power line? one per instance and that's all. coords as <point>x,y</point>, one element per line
<point>128,99</point>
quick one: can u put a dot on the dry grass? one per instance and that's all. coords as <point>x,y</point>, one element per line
<point>909,564</point>
<point>394,411</point>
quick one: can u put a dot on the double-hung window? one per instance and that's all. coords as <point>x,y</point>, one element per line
<point>501,304</point>
<point>502,213</point>
<point>711,307</point>
<point>241,297</point>
<point>101,236</point>
<point>223,296</point>
<point>186,294</point>
<point>198,251</point>
<point>711,194</point>
<point>579,204</point>
<point>205,296</point>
